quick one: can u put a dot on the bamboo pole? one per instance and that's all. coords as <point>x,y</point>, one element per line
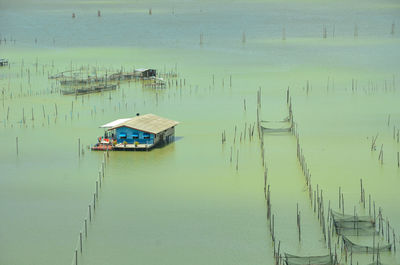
<point>80,240</point>
<point>90,213</point>
<point>86,228</point>
<point>16,141</point>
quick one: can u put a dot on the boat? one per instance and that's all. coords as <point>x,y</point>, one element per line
<point>103,144</point>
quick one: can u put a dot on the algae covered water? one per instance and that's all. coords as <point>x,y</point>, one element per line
<point>198,200</point>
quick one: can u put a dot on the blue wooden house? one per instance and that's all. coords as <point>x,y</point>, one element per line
<point>140,132</point>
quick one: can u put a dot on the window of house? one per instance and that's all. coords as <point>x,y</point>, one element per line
<point>146,136</point>
<point>122,135</point>
<point>135,136</point>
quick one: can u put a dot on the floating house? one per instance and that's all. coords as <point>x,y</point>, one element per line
<point>3,62</point>
<point>146,73</point>
<point>142,132</point>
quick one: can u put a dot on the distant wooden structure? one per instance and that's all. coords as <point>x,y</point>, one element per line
<point>79,77</point>
<point>89,90</point>
<point>146,73</point>
<point>3,62</point>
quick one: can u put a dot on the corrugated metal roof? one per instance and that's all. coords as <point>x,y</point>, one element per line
<point>148,123</point>
<point>114,123</point>
<point>141,69</point>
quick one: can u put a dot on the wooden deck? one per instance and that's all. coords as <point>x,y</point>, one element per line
<point>132,147</point>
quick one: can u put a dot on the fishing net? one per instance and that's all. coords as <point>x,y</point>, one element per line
<point>277,126</point>
<point>353,225</point>
<point>310,260</point>
<point>351,246</point>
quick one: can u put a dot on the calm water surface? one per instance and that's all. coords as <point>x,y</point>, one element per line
<point>186,203</point>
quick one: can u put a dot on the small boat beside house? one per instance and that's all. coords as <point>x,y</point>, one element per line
<point>140,133</point>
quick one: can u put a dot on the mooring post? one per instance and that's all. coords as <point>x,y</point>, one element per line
<point>97,189</point>
<point>369,202</point>
<point>76,257</point>
<point>80,240</point>
<point>273,227</point>
<point>299,225</point>
<point>398,159</point>
<point>85,228</point>
<point>374,213</point>
<point>90,213</point>
<point>342,204</point>
<point>237,161</point>
<point>16,140</point>
<point>373,247</point>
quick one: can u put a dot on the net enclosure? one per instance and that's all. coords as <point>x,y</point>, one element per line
<point>353,225</point>
<point>353,247</point>
<point>284,125</point>
<point>308,260</point>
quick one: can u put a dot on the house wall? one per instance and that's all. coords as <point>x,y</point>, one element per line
<point>130,134</point>
<point>166,136</point>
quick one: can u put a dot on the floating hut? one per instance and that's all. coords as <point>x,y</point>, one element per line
<point>146,73</point>
<point>3,62</point>
<point>142,132</point>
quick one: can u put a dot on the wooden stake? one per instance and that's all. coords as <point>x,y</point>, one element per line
<point>97,189</point>
<point>85,227</point>
<point>90,213</point>
<point>369,202</point>
<point>342,204</point>
<point>80,240</point>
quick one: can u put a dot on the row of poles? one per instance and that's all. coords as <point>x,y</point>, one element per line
<point>25,72</point>
<point>47,118</point>
<point>368,88</point>
<point>89,218</point>
<point>324,33</point>
<point>317,198</point>
<point>315,195</point>
<point>278,258</point>
<point>243,38</point>
<point>396,139</point>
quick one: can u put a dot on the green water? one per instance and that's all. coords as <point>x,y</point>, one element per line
<point>186,203</point>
